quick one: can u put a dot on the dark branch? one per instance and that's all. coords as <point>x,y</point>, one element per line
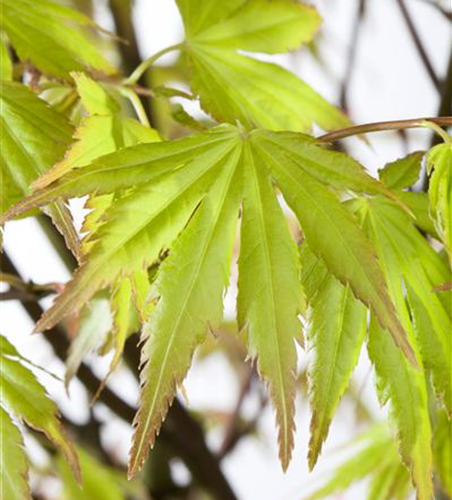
<point>351,58</point>
<point>130,54</point>
<point>419,45</point>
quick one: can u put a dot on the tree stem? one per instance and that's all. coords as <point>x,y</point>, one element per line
<point>444,121</point>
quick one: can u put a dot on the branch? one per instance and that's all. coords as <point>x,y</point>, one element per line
<point>353,46</point>
<point>419,45</point>
<point>444,121</point>
<point>130,54</point>
<point>445,105</point>
<point>233,419</point>
<point>447,14</point>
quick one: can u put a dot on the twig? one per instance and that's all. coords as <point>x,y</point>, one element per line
<point>444,108</point>
<point>244,430</point>
<point>352,49</point>
<point>130,54</point>
<point>419,45</point>
<point>231,424</point>
<point>447,14</point>
<point>444,121</point>
<point>445,105</point>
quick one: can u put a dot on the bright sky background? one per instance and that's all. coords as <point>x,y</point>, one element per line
<point>389,83</point>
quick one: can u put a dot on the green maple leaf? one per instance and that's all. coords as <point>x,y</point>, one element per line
<point>233,86</point>
<point>184,196</point>
<point>99,481</point>
<point>442,451</point>
<point>439,165</point>
<point>374,456</point>
<point>23,397</point>
<point>47,34</point>
<point>402,173</point>
<point>6,66</point>
<point>14,470</point>
<point>337,325</point>
<point>412,270</point>
<point>422,270</point>
<point>34,138</point>
<point>409,262</point>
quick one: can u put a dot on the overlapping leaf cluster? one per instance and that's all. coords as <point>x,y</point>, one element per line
<point>163,218</point>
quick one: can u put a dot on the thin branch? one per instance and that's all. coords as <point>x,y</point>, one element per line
<point>445,105</point>
<point>444,108</point>
<point>446,13</point>
<point>243,430</point>
<point>130,54</point>
<point>232,422</point>
<point>444,121</point>
<point>351,57</point>
<point>419,45</point>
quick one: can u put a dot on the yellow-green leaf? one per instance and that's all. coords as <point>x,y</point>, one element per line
<point>270,296</point>
<point>6,66</point>
<point>398,382</point>
<point>439,164</point>
<point>333,235</point>
<point>23,396</point>
<point>402,173</point>
<point>34,138</point>
<point>337,324</point>
<point>190,284</point>
<point>263,26</point>
<point>49,35</point>
<point>14,469</point>
<point>232,86</point>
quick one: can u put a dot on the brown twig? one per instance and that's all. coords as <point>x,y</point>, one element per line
<point>419,45</point>
<point>447,14</point>
<point>232,421</point>
<point>352,50</point>
<point>444,121</point>
<point>243,430</point>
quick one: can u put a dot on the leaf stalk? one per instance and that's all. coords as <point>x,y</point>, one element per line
<point>147,63</point>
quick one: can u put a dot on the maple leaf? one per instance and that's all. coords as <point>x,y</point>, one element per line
<point>439,165</point>
<point>408,261</point>
<point>412,268</point>
<point>337,326</point>
<point>34,138</point>
<point>23,397</point>
<point>233,86</point>
<point>14,471</point>
<point>373,456</point>
<point>184,196</point>
<point>52,43</point>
